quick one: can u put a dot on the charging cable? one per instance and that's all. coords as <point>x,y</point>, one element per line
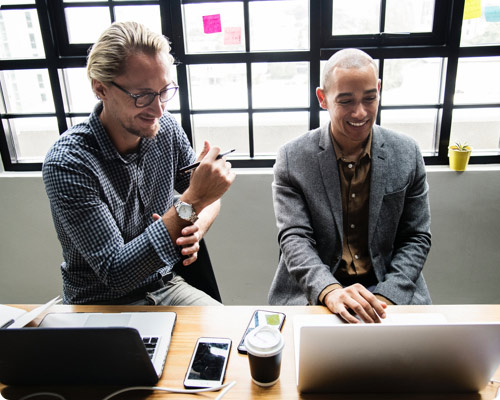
<point>226,387</point>
<point>30,396</point>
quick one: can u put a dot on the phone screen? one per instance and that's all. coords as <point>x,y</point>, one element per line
<point>261,317</point>
<point>208,363</point>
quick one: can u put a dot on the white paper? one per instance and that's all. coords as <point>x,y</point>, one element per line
<point>7,313</point>
<point>27,317</point>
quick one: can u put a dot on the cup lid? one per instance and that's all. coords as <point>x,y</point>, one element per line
<point>264,341</point>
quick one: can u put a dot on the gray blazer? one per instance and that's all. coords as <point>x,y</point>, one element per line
<point>308,208</point>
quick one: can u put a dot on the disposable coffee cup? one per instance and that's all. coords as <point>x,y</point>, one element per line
<point>264,347</point>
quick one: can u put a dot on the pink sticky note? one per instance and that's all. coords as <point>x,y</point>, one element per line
<point>211,23</point>
<point>232,35</point>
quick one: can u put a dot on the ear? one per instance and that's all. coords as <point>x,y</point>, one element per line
<point>99,89</point>
<point>320,94</point>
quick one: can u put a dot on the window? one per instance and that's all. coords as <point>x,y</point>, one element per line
<point>412,98</point>
<point>248,70</point>
<point>476,120</point>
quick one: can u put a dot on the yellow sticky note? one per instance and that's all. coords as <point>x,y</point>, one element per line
<point>472,9</point>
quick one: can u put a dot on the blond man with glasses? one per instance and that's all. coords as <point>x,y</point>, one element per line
<point>111,181</point>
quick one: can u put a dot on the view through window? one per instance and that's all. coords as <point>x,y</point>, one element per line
<point>248,70</point>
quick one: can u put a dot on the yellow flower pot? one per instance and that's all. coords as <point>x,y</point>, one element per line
<point>459,158</point>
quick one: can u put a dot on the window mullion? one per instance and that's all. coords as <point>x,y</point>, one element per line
<point>314,63</point>
<point>246,19</point>
<point>51,57</point>
<point>451,75</point>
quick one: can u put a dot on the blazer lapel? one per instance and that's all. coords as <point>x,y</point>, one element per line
<point>378,177</point>
<point>329,171</point>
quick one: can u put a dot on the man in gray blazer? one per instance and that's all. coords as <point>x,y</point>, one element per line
<point>351,204</point>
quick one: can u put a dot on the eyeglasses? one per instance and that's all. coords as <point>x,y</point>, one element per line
<point>145,99</point>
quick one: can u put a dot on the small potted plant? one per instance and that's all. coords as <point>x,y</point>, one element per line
<point>459,156</point>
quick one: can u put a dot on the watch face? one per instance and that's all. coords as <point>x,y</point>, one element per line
<point>185,211</point>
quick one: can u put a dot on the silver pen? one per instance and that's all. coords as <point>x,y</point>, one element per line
<point>192,166</point>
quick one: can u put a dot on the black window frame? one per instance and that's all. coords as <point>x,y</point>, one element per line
<point>442,42</point>
<point>438,36</point>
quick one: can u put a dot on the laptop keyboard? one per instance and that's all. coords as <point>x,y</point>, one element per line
<point>150,343</point>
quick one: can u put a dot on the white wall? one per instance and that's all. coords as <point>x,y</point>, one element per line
<point>463,266</point>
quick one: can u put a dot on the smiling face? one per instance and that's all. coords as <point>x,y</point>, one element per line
<point>124,122</point>
<point>352,99</point>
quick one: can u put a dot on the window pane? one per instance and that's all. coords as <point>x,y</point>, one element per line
<point>228,131</point>
<point>279,25</point>
<point>32,137</point>
<point>366,20</point>
<point>75,120</point>
<point>322,64</point>
<point>400,85</point>
<point>147,15</point>
<point>215,86</point>
<point>79,96</point>
<point>478,80</point>
<point>482,29</point>
<point>79,29</point>
<point>284,84</point>
<point>479,127</point>
<point>271,130</point>
<point>214,27</point>
<point>409,16</point>
<point>418,124</point>
<point>27,91</point>
<point>174,103</point>
<point>177,117</point>
<point>20,35</point>
<point>324,117</point>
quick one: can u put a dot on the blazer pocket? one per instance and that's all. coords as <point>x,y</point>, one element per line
<point>390,192</point>
<point>391,210</point>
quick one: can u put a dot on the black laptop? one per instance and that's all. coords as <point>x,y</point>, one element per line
<point>88,348</point>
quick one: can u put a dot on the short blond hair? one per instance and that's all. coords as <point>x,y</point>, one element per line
<point>346,58</point>
<point>108,56</point>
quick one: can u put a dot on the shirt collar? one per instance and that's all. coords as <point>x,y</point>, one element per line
<point>366,151</point>
<point>107,147</point>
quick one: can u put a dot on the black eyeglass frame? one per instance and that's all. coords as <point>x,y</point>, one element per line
<point>159,94</point>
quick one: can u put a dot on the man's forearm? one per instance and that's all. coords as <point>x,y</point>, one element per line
<point>175,224</point>
<point>207,217</point>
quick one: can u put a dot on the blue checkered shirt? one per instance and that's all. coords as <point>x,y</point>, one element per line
<point>102,204</point>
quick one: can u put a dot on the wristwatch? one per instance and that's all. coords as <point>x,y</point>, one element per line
<point>186,212</point>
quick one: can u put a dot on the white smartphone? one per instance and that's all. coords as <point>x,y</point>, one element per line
<point>207,367</point>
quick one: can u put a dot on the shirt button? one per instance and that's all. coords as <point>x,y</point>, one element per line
<point>349,165</point>
<point>353,226</point>
<point>356,257</point>
<point>353,195</point>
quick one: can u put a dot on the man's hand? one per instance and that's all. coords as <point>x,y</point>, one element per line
<point>357,299</point>
<point>210,180</point>
<point>189,241</point>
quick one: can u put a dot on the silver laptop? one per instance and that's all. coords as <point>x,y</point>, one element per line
<point>88,348</point>
<point>406,353</point>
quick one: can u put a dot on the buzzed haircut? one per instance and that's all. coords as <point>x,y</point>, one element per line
<point>346,58</point>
